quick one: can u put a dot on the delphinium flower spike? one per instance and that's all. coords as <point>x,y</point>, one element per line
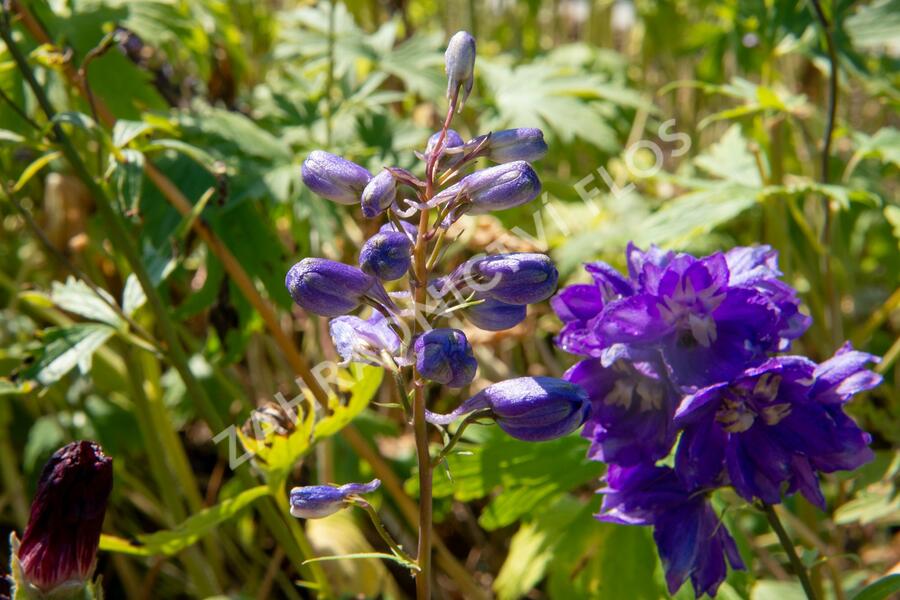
<point>403,332</point>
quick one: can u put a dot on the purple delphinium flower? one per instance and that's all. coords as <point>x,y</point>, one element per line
<point>452,149</point>
<point>707,322</point>
<point>364,340</point>
<point>515,278</point>
<point>334,177</point>
<point>59,546</point>
<point>632,408</point>
<point>386,255</point>
<point>411,230</point>
<point>774,426</point>
<point>318,501</point>
<point>691,540</point>
<point>445,356</point>
<point>531,409</point>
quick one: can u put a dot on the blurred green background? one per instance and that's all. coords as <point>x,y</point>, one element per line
<point>226,98</point>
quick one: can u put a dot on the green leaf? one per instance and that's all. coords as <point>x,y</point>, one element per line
<point>64,348</point>
<point>125,131</point>
<point>9,388</point>
<point>730,159</point>
<point>170,542</point>
<point>533,547</point>
<point>360,555</point>
<point>777,590</point>
<point>76,297</point>
<point>199,155</point>
<point>363,384</point>
<point>128,178</point>
<point>523,475</point>
<point>133,296</point>
<point>11,136</point>
<point>276,453</point>
<point>695,214</point>
<point>875,24</point>
<point>881,589</point>
<point>34,168</point>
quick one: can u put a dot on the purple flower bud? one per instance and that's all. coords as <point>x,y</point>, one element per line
<point>508,145</point>
<point>60,542</point>
<point>317,501</point>
<point>516,278</point>
<point>459,60</point>
<point>333,177</point>
<point>411,230</point>
<point>386,255</point>
<point>493,315</point>
<point>495,188</point>
<point>532,409</point>
<point>326,287</point>
<point>451,140</point>
<point>379,194</point>
<point>444,356</point>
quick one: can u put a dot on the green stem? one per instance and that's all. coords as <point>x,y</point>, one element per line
<point>379,527</point>
<point>786,543</point>
<point>470,418</point>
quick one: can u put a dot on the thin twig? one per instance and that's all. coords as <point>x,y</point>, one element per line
<point>19,110</point>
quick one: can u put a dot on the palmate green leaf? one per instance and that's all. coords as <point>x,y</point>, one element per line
<point>276,454</point>
<point>874,24</point>
<point>66,347</point>
<point>604,560</point>
<point>533,547</point>
<point>695,214</point>
<point>234,134</point>
<point>521,476</point>
<point>884,145</point>
<point>730,159</point>
<point>76,297</point>
<point>543,94</point>
<point>171,541</point>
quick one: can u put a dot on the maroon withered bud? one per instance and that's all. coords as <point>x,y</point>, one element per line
<point>59,547</point>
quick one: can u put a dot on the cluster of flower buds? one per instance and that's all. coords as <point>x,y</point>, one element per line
<point>490,292</point>
<point>58,551</point>
<point>682,348</point>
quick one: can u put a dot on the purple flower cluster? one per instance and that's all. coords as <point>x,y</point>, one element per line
<point>683,348</point>
<point>491,292</point>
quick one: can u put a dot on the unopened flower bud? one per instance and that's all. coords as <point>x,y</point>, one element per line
<point>493,315</point>
<point>334,177</point>
<point>516,278</point>
<point>508,145</point>
<point>532,409</point>
<point>459,60</point>
<point>59,548</point>
<point>386,255</point>
<point>450,157</point>
<point>444,356</point>
<point>326,287</point>
<point>379,194</point>
<point>495,188</point>
<point>318,501</point>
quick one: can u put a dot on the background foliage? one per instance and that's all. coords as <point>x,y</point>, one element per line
<point>226,98</point>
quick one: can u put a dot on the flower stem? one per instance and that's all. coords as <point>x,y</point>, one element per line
<point>457,435</point>
<point>788,545</point>
<point>379,527</point>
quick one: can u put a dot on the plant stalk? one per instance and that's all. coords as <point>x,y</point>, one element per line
<point>785,539</point>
